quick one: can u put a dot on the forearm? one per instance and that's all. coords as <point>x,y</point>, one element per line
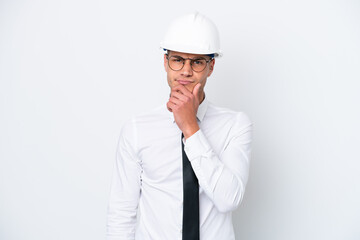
<point>190,129</point>
<point>223,177</point>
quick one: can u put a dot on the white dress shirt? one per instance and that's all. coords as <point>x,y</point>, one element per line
<point>146,196</point>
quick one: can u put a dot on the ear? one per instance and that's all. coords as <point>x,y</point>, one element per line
<point>211,67</point>
<point>165,62</point>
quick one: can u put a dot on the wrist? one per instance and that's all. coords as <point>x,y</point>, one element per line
<point>189,131</point>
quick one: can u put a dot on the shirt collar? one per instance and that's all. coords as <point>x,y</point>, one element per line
<point>200,113</point>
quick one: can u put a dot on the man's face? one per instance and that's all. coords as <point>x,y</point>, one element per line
<point>187,76</point>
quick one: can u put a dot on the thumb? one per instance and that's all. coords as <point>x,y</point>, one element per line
<point>196,91</point>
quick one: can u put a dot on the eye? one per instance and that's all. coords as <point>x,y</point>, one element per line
<point>199,62</point>
<point>176,59</point>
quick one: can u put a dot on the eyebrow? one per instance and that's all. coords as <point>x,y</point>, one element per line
<point>195,58</point>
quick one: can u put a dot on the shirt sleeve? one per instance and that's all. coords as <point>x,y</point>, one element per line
<point>223,177</point>
<point>125,188</point>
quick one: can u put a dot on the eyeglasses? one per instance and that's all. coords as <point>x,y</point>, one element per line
<point>176,63</point>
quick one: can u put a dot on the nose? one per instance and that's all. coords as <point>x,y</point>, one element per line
<point>187,70</point>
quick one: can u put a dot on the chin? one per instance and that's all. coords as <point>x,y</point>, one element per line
<point>190,88</point>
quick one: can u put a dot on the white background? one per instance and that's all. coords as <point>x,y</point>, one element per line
<point>72,71</point>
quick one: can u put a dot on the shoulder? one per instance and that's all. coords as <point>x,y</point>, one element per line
<point>130,129</point>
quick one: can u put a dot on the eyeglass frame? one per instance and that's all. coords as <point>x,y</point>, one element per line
<point>191,62</point>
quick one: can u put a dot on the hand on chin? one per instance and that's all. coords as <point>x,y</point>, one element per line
<point>189,86</point>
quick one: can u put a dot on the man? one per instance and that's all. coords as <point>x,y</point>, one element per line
<point>181,169</point>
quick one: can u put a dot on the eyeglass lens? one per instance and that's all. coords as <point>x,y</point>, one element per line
<point>177,63</point>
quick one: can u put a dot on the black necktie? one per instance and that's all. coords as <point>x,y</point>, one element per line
<point>191,224</point>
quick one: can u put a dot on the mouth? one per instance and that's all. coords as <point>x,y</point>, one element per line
<point>184,82</point>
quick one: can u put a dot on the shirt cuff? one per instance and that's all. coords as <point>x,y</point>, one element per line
<point>196,145</point>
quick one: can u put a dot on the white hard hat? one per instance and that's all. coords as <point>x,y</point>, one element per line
<point>192,33</point>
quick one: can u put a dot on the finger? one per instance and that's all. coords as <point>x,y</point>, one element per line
<point>179,96</point>
<point>171,106</point>
<point>182,89</point>
<point>175,101</point>
<point>196,91</point>
<point>168,106</point>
